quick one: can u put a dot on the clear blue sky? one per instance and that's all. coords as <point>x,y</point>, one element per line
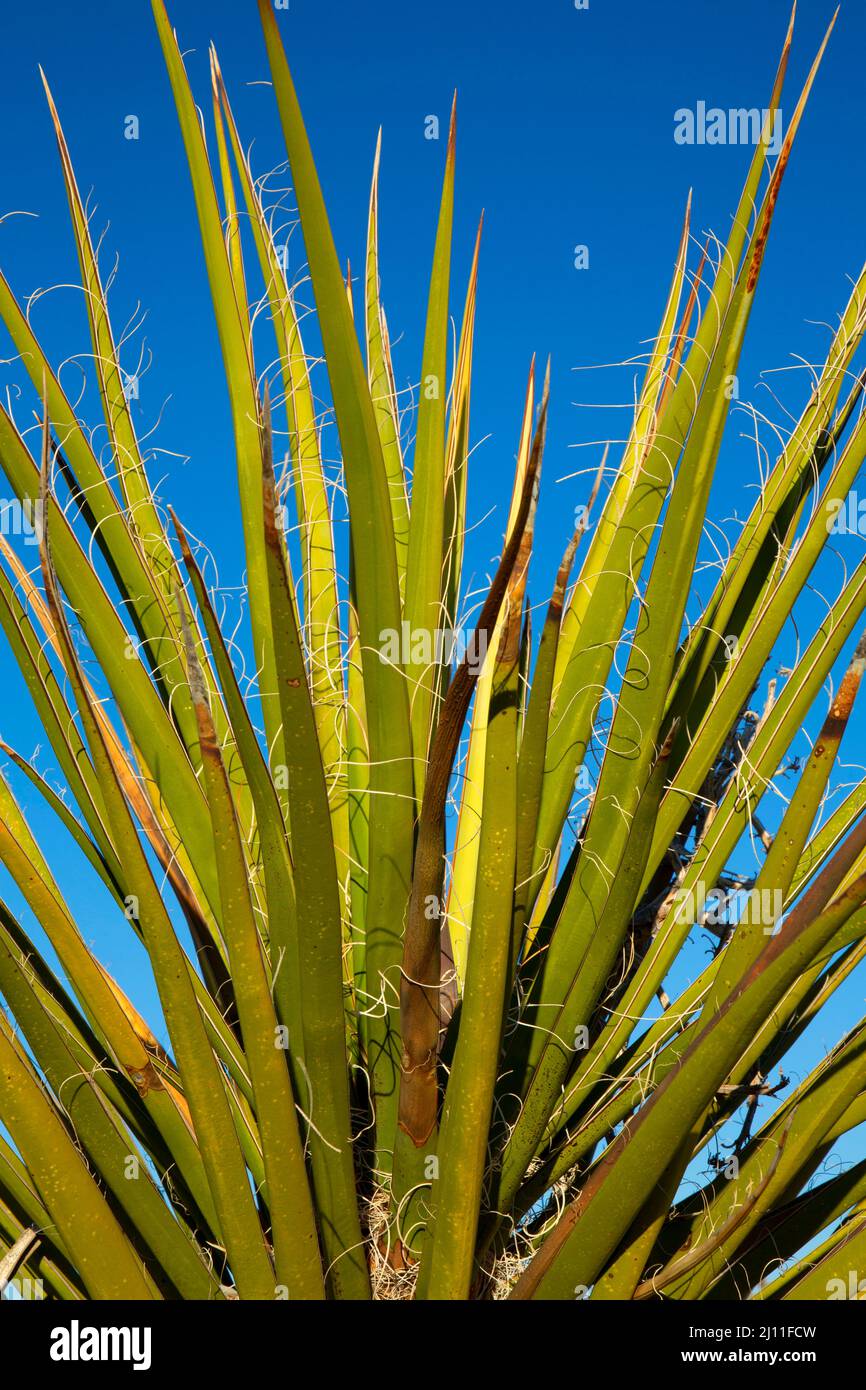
<point>565,137</point>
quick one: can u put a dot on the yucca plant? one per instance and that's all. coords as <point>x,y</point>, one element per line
<point>417,918</point>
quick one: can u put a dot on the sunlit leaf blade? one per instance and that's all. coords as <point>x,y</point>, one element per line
<point>381,378</point>
<point>322,1046</point>
<point>377,599</point>
<point>293,1226</point>
<point>237,360</point>
<point>424,593</point>
<point>464,857</point>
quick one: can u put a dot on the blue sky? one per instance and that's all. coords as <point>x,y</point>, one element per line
<point>565,138</point>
